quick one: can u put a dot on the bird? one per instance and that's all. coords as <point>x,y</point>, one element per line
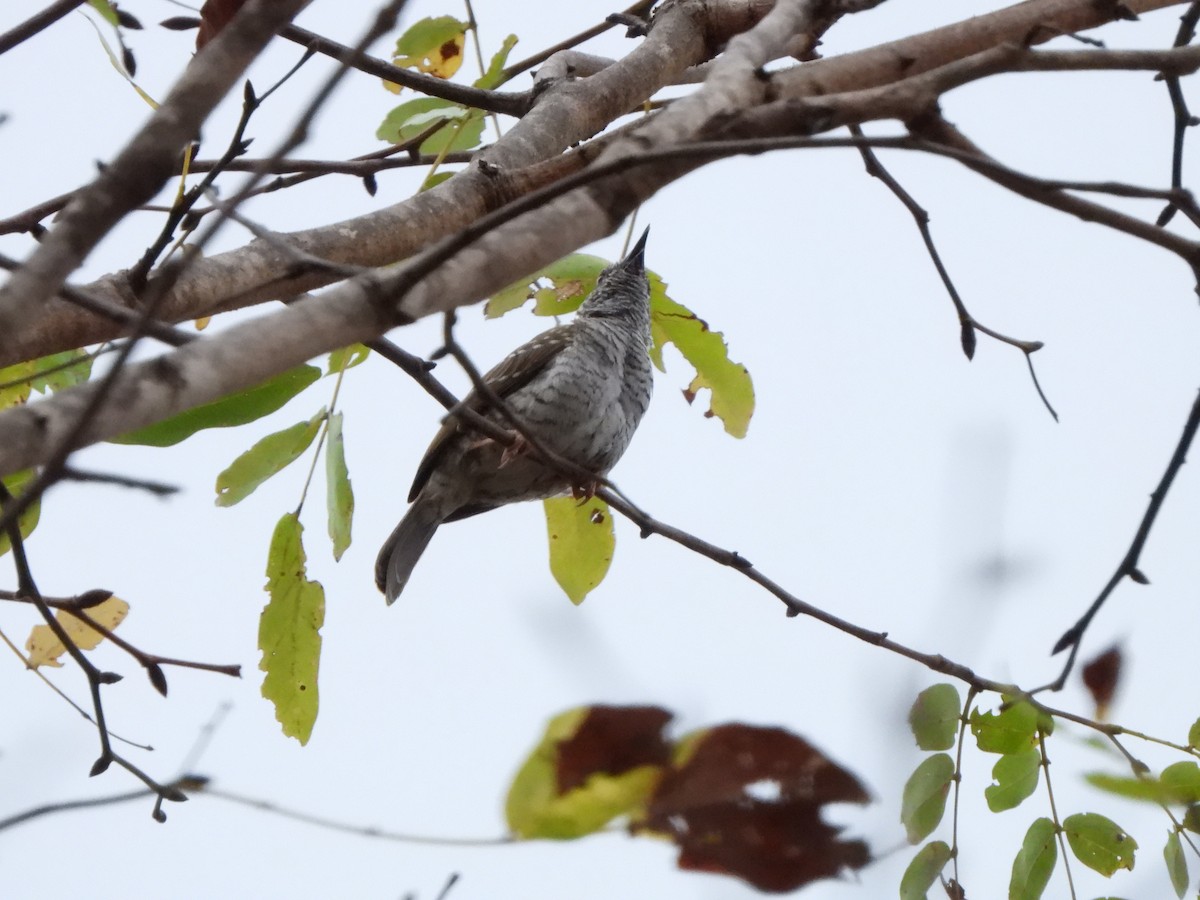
<point>580,390</point>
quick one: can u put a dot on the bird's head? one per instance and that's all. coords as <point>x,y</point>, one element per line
<point>622,290</point>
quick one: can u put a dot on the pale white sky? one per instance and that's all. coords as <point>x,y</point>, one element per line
<point>881,473</point>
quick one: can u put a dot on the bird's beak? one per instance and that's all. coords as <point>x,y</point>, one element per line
<point>636,257</point>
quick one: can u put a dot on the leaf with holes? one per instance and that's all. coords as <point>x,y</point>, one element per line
<point>1010,731</point>
<point>1099,843</point>
<point>289,632</point>
<point>1015,777</point>
<point>433,45</point>
<point>581,543</point>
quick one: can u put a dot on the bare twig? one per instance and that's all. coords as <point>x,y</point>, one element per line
<point>158,488</point>
<point>36,23</point>
<point>1183,118</point>
<point>1128,567</point>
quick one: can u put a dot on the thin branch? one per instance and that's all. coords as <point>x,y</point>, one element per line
<point>36,23</point>
<point>639,9</point>
<point>1183,118</point>
<point>967,323</point>
<point>158,488</point>
<point>1128,567</point>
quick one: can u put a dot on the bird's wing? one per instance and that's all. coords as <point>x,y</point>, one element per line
<point>511,374</point>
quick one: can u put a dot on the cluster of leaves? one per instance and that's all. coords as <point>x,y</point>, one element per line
<point>1017,734</point>
<point>435,46</point>
<point>736,799</point>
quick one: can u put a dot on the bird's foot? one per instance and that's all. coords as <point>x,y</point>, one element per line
<point>518,448</point>
<point>585,492</point>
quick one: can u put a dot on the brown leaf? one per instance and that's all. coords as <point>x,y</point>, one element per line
<point>215,15</point>
<point>746,801</point>
<point>1101,677</point>
<point>613,740</point>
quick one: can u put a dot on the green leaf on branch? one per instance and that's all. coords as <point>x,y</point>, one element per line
<point>581,543</point>
<point>49,373</point>
<point>925,796</point>
<point>1194,734</point>
<point>339,495</point>
<point>573,278</point>
<point>1176,864</point>
<point>289,632</point>
<point>106,11</point>
<point>236,409</point>
<point>494,76</point>
<point>934,717</point>
<point>1016,777</point>
<point>1181,781</point>
<point>28,519</point>
<point>1035,861</point>
<point>17,380</point>
<point>268,457</point>
<point>462,130</point>
<point>924,870</point>
<point>1146,788</point>
<point>1010,731</point>
<point>347,358</point>
<point>433,45</point>
<point>1099,843</point>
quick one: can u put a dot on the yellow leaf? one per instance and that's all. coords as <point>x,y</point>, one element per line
<point>45,648</point>
<point>433,46</point>
<point>202,322</point>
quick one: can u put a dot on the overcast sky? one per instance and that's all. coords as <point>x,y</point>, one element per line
<point>884,478</point>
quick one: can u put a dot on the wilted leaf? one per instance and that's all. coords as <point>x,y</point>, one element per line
<point>581,543</point>
<point>16,384</point>
<point>237,409</point>
<point>462,131</point>
<point>267,457</point>
<point>1016,777</point>
<point>924,870</point>
<point>45,648</point>
<point>29,517</point>
<point>747,801</point>
<point>925,796</point>
<point>1176,864</point>
<point>289,632</point>
<point>1099,843</point>
<point>1010,731</point>
<point>1035,862</point>
<point>593,764</point>
<point>934,717</point>
<point>339,495</point>
<point>494,76</point>
<point>433,46</point>
<point>215,15</point>
<point>1101,677</point>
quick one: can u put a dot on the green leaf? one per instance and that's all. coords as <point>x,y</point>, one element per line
<point>463,130</point>
<point>339,495</point>
<point>571,278</point>
<point>581,543</point>
<point>1099,843</point>
<point>1194,734</point>
<point>732,390</point>
<point>28,519</point>
<point>494,76</point>
<point>1016,777</point>
<point>934,717</point>
<point>1148,789</point>
<point>433,179</point>
<point>236,409</point>
<point>16,379</point>
<point>1010,731</point>
<point>289,632</point>
<point>61,370</point>
<point>347,358</point>
<point>268,457</point>
<point>534,807</point>
<point>104,8</point>
<point>924,870</point>
<point>1035,862</point>
<point>1181,781</point>
<point>432,45</point>
<point>925,796</point>
<point>1176,864</point>
<point>1191,818</point>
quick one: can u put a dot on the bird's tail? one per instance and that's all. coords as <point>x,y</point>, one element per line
<point>404,547</point>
